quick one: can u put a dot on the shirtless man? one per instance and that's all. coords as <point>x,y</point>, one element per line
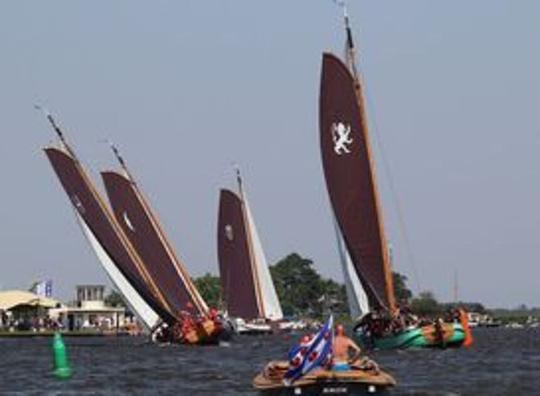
<point>342,345</point>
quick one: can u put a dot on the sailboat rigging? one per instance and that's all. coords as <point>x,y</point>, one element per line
<point>142,227</point>
<point>157,291</point>
<point>116,255</point>
<point>195,322</point>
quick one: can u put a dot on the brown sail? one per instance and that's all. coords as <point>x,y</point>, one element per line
<point>350,179</point>
<point>142,228</point>
<point>91,208</point>
<point>237,278</point>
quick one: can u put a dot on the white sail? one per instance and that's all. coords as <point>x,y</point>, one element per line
<point>356,296</point>
<point>136,303</point>
<point>270,302</point>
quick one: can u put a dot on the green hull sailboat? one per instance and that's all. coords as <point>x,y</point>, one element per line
<point>349,170</point>
<point>452,335</point>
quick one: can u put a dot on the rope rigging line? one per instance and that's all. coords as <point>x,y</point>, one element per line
<point>393,191</point>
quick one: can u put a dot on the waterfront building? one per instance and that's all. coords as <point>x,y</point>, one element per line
<point>24,310</point>
<point>27,311</point>
<point>90,311</point>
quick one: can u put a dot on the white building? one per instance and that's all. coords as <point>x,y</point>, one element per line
<point>24,310</point>
<point>90,312</point>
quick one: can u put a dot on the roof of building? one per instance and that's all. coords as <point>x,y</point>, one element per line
<point>91,285</point>
<point>13,298</point>
<point>91,310</point>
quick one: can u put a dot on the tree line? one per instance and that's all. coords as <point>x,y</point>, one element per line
<point>303,292</point>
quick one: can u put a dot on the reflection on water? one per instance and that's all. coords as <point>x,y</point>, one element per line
<point>501,362</point>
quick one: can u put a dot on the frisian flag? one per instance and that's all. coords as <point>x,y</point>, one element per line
<point>310,354</point>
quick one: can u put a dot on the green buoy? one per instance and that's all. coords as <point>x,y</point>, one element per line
<point>61,363</point>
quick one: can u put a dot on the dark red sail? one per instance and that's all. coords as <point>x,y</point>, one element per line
<point>96,216</point>
<point>143,230</point>
<point>235,267</point>
<point>350,180</point>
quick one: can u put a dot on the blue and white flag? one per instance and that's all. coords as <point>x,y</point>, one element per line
<point>48,288</point>
<point>311,353</point>
<point>43,288</point>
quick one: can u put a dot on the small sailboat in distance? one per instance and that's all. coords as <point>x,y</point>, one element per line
<point>349,170</point>
<point>142,227</point>
<point>247,286</point>
<point>120,261</point>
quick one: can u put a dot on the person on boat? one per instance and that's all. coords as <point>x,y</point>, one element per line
<point>365,327</point>
<point>407,318</point>
<point>342,346</point>
<point>439,332</point>
<point>397,322</point>
<point>342,361</point>
<point>463,318</point>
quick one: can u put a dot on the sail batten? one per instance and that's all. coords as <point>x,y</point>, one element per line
<point>350,179</point>
<point>141,226</point>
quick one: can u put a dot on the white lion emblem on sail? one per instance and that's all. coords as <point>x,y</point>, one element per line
<point>229,233</point>
<point>341,137</point>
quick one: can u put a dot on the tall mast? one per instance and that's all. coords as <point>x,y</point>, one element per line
<point>351,62</point>
<point>57,130</point>
<point>456,295</point>
<point>121,161</point>
<point>254,270</point>
<point>350,50</point>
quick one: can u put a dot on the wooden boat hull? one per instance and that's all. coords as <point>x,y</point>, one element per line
<point>323,382</point>
<point>453,335</point>
<point>326,388</point>
<point>254,332</point>
<point>206,333</point>
<point>210,336</point>
<point>253,329</point>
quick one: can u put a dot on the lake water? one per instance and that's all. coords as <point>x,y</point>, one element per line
<point>502,362</point>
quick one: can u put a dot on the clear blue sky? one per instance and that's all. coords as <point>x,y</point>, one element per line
<point>188,87</point>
